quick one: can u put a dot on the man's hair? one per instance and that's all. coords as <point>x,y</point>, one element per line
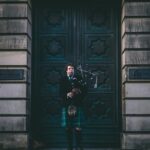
<point>69,64</point>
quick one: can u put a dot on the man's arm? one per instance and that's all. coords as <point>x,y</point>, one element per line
<point>62,91</point>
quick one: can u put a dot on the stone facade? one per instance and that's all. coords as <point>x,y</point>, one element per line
<point>135,91</point>
<point>15,54</point>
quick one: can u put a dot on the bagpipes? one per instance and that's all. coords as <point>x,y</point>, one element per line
<point>77,84</point>
<point>92,75</point>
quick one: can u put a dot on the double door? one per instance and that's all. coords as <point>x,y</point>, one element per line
<point>84,34</point>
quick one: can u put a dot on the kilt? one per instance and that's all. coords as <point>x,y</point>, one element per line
<point>67,121</point>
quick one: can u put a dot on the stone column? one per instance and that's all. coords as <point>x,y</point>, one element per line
<point>15,73</point>
<point>136,74</point>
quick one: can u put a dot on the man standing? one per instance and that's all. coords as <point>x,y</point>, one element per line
<point>72,91</point>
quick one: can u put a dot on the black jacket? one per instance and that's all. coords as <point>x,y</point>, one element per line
<point>67,85</point>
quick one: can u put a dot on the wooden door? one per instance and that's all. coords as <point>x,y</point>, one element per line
<point>84,34</point>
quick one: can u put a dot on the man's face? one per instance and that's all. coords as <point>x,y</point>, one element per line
<point>70,70</point>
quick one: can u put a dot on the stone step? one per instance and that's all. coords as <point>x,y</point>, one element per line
<point>83,149</point>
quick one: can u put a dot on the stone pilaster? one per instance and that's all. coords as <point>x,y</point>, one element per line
<point>15,73</point>
<point>135,74</point>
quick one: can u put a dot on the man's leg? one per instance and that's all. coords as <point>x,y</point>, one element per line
<point>78,136</point>
<point>69,132</point>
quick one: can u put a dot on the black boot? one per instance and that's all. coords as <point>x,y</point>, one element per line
<point>78,136</point>
<point>69,132</point>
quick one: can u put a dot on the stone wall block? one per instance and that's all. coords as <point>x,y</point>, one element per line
<point>136,41</point>
<point>13,42</point>
<point>136,57</point>
<point>13,58</point>
<point>136,25</point>
<point>137,107</point>
<point>138,123</point>
<point>136,141</point>
<point>12,123</point>
<point>13,90</point>
<point>139,90</point>
<point>15,53</point>
<point>14,140</point>
<point>13,107</point>
<point>13,26</point>
<point>136,9</point>
<point>13,10</point>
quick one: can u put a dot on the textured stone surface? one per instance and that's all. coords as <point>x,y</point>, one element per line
<point>136,41</point>
<point>137,90</point>
<point>137,106</point>
<point>15,46</point>
<point>13,90</point>
<point>29,14</point>
<point>136,141</point>
<point>13,140</point>
<point>124,74</point>
<point>12,123</point>
<point>136,25</point>
<point>137,123</point>
<point>29,60</point>
<point>29,29</point>
<point>13,26</point>
<point>135,48</point>
<point>135,57</point>
<point>136,9</point>
<point>13,10</point>
<point>12,107</point>
<point>13,58</point>
<point>29,44</point>
<point>13,42</point>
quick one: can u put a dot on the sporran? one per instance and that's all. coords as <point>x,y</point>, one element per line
<point>72,111</point>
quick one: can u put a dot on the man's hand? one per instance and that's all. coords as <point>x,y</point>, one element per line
<point>70,95</point>
<point>76,91</point>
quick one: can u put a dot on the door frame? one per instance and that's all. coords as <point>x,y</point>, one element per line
<point>34,54</point>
